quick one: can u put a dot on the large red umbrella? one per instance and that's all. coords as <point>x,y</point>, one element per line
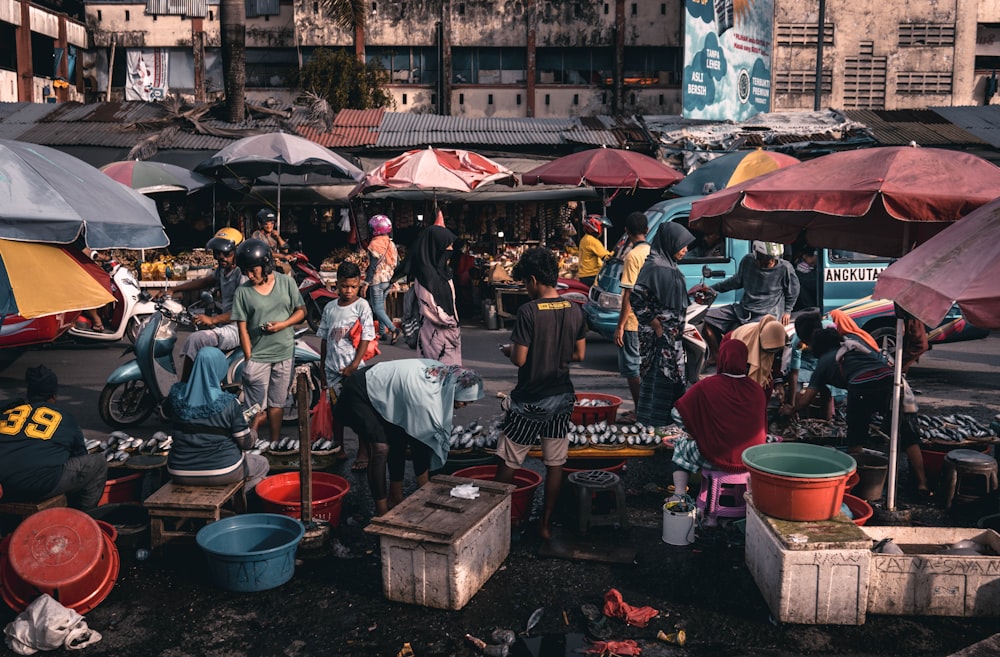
<point>880,201</point>
<point>604,167</point>
<point>430,171</point>
<point>961,264</point>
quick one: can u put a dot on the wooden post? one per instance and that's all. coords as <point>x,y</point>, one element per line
<point>305,448</point>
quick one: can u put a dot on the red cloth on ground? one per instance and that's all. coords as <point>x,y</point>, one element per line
<point>847,326</point>
<point>611,648</point>
<point>615,607</point>
<point>726,412</point>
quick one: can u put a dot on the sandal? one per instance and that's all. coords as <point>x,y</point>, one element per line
<point>359,466</point>
<point>925,494</point>
<point>394,337</point>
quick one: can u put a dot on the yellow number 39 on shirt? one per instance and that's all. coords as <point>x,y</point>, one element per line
<point>43,423</point>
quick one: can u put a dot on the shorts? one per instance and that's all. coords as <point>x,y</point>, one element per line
<point>266,382</point>
<point>629,358</point>
<point>226,338</point>
<point>554,451</point>
<point>549,417</point>
<point>687,456</point>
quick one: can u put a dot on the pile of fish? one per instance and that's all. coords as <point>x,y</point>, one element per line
<point>119,445</point>
<point>476,435</point>
<point>590,402</point>
<point>602,434</point>
<point>953,428</point>
<point>289,445</point>
<point>806,428</point>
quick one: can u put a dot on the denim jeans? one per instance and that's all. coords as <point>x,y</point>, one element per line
<point>83,478</point>
<point>377,298</point>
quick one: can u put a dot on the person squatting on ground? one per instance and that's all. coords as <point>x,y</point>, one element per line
<point>210,433</point>
<point>382,260</point>
<point>266,308</point>
<point>405,404</point>
<point>549,333</point>
<point>802,363</point>
<point>627,332</point>
<point>660,300</point>
<point>723,415</point>
<point>42,450</point>
<point>428,262</point>
<point>592,251</point>
<point>339,355</point>
<point>848,363</point>
<point>770,287</point>
<point>226,278</point>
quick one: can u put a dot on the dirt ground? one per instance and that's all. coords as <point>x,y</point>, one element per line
<point>334,605</point>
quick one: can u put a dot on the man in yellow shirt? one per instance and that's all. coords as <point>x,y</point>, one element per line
<point>592,251</point>
<point>627,331</point>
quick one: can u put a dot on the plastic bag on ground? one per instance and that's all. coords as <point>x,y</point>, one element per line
<point>46,625</point>
<point>615,607</point>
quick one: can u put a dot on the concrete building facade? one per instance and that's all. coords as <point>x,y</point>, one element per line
<point>38,52</point>
<point>536,58</point>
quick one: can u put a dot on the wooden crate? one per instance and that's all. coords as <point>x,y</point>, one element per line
<point>439,550</point>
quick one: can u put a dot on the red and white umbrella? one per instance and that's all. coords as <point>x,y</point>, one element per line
<point>431,171</point>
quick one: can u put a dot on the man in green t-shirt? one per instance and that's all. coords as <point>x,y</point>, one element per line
<point>265,309</point>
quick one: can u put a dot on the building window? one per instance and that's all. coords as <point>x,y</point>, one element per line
<point>801,82</point>
<point>635,9</point>
<point>128,15</point>
<point>99,17</point>
<point>461,9</point>
<point>196,8</point>
<point>915,82</point>
<point>915,35</point>
<point>271,67</point>
<point>405,64</point>
<point>577,9</point>
<point>576,99</point>
<point>518,100</point>
<point>632,99</point>
<point>315,7</point>
<point>574,65</point>
<point>434,99</point>
<point>652,66</point>
<point>604,98</point>
<point>211,16</point>
<point>864,82</point>
<point>548,100</point>
<point>663,9</point>
<point>489,99</point>
<point>404,99</point>
<point>461,99</point>
<point>606,9</point>
<point>661,99</point>
<point>803,34</point>
<point>489,65</point>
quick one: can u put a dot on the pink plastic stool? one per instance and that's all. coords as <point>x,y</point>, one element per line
<point>721,495</point>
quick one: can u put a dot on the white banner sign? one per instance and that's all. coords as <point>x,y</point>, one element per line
<point>147,74</point>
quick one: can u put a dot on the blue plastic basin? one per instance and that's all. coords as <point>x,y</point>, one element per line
<point>251,552</point>
<point>798,460</point>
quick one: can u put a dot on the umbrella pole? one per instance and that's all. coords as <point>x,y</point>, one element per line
<point>278,228</point>
<point>897,389</point>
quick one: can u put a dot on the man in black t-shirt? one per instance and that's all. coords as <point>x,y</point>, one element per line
<point>42,452</point>
<point>549,333</point>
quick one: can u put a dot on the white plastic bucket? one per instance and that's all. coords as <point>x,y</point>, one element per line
<point>678,526</point>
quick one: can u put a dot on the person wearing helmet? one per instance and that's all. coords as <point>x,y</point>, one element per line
<point>382,260</point>
<point>265,309</point>
<point>770,287</point>
<point>267,233</point>
<point>592,250</point>
<point>226,278</point>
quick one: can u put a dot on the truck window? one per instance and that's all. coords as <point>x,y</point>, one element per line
<point>840,255</point>
<point>705,248</point>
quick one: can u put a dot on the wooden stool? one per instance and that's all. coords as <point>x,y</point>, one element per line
<point>173,509</point>
<point>960,464</point>
<point>24,509</point>
<point>590,482</point>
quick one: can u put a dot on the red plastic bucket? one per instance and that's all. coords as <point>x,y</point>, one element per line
<point>592,414</point>
<point>934,459</point>
<point>62,552</point>
<point>797,498</point>
<point>525,480</point>
<point>282,493</point>
<point>860,509</point>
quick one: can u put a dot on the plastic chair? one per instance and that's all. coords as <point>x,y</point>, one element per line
<point>721,495</point>
<point>588,483</point>
<point>961,464</point>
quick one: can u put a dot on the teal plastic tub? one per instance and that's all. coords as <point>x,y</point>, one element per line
<point>251,552</point>
<point>799,460</point>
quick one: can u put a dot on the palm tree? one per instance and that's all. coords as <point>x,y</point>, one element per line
<point>349,15</point>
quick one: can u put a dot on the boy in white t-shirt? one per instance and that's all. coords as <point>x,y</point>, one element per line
<point>340,357</point>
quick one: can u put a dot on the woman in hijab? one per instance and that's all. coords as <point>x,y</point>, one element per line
<point>659,300</point>
<point>400,404</point>
<point>723,414</point>
<point>765,340</point>
<point>428,262</point>
<point>210,432</point>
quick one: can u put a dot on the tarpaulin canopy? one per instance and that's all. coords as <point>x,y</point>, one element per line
<point>44,279</point>
<point>155,177</point>
<point>431,173</point>
<point>731,169</point>
<point>604,167</point>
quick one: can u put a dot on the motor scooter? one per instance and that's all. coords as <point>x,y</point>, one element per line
<point>131,307</point>
<point>573,290</point>
<point>695,346</point>
<point>136,389</point>
<point>314,291</point>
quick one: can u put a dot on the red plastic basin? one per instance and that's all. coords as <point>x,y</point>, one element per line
<point>525,480</point>
<point>860,509</point>
<point>282,493</point>
<point>799,499</point>
<point>592,414</point>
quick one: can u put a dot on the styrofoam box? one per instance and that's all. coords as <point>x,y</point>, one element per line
<point>924,582</point>
<point>438,550</point>
<point>809,572</point>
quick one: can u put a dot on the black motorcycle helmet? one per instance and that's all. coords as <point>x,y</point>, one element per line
<point>254,253</point>
<point>225,240</point>
<point>265,215</point>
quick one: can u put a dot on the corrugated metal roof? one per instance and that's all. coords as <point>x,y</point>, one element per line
<point>350,118</point>
<point>399,130</point>
<point>340,136</point>
<point>983,122</point>
<point>900,127</point>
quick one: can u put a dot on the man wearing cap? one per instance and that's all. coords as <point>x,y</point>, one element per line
<point>770,287</point>
<point>42,451</point>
